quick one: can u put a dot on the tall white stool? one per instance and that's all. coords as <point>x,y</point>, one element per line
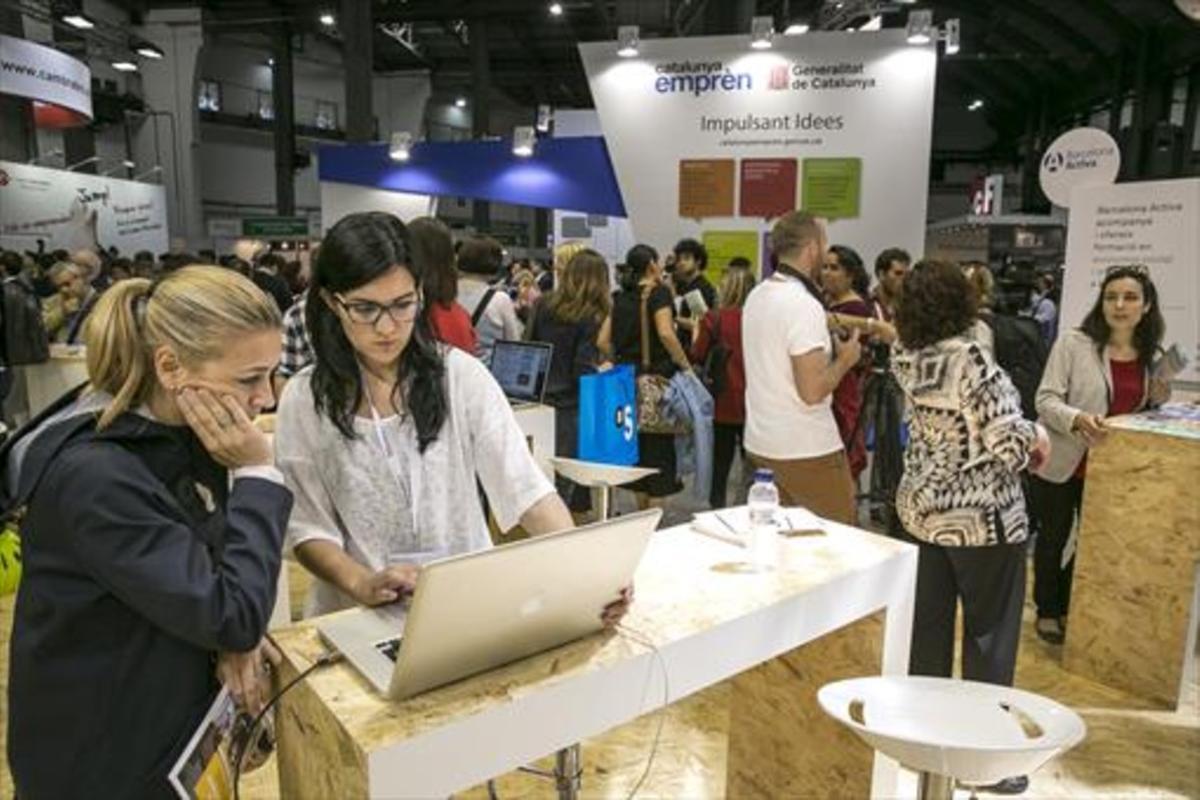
<point>602,477</point>
<point>949,731</point>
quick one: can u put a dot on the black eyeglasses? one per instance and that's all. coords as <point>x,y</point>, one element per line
<point>365,312</point>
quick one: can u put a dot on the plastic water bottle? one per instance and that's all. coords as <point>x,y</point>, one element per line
<point>763,504</point>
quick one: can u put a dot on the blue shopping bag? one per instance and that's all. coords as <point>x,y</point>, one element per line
<point>608,417</point>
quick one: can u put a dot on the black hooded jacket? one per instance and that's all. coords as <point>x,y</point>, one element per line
<point>140,563</point>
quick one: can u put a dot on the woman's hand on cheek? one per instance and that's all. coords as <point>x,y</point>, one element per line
<point>224,429</point>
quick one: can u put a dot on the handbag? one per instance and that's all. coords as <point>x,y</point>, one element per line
<point>652,389</point>
<point>607,422</point>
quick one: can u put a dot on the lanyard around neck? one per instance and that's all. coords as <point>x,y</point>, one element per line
<point>807,282</point>
<point>392,459</point>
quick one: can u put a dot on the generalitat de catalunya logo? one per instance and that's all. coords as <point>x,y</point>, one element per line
<point>699,78</point>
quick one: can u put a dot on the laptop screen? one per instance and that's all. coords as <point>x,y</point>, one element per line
<point>521,368</point>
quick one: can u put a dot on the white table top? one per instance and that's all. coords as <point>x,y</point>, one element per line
<point>708,620</point>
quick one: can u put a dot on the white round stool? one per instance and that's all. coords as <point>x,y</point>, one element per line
<point>949,730</point>
<point>595,475</point>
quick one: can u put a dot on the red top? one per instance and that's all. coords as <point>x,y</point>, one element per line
<point>848,396</point>
<point>730,405</point>
<point>1128,385</point>
<point>451,324</point>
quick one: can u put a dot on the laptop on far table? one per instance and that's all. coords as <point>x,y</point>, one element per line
<point>521,369</point>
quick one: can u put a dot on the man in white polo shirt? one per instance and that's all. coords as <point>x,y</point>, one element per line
<point>792,369</point>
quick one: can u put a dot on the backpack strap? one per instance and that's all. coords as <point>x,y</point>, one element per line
<point>10,499</point>
<point>482,307</point>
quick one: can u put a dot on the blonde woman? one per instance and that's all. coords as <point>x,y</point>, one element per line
<point>983,286</point>
<point>525,293</point>
<point>720,331</point>
<point>569,318</point>
<point>144,565</point>
<point>563,253</point>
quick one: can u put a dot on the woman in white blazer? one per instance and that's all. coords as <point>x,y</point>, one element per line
<point>1098,370</point>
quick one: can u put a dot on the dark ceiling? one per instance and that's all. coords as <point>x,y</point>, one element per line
<point>1034,62</point>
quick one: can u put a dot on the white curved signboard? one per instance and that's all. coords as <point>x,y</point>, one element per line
<point>41,73</point>
<point>1080,157</point>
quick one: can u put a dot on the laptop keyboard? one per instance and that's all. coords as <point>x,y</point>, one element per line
<point>389,647</point>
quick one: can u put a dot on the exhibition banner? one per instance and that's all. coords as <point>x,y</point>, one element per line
<point>1151,223</point>
<point>41,73</point>
<point>70,210</point>
<point>707,134</point>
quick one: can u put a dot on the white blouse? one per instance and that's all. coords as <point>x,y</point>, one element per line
<point>428,506</point>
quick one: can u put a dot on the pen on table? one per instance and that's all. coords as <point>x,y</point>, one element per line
<point>721,520</point>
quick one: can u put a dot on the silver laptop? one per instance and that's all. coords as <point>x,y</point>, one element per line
<point>474,612</point>
<point>521,369</point>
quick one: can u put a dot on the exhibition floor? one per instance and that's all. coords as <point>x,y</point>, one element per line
<point>1130,751</point>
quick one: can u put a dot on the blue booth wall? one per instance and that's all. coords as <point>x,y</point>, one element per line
<point>573,174</point>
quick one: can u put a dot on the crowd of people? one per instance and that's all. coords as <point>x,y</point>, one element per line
<point>393,443</point>
<point>67,284</point>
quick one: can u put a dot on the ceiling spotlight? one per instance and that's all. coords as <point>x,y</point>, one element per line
<point>975,105</point>
<point>795,29</point>
<point>80,21</point>
<point>327,19</point>
<point>953,36</point>
<point>544,116</point>
<point>628,39</point>
<point>556,9</point>
<point>762,29</point>
<point>147,50</point>
<point>124,66</point>
<point>401,145</point>
<point>271,62</point>
<point>920,26</point>
<point>524,138</point>
<point>460,102</point>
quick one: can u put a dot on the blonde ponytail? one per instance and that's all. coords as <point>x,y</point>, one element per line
<point>195,311</point>
<point>118,360</point>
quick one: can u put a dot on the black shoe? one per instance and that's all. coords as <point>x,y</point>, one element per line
<point>1016,785</point>
<point>1050,630</point>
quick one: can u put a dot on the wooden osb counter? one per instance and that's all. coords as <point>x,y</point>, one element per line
<point>1133,621</point>
<point>848,593</point>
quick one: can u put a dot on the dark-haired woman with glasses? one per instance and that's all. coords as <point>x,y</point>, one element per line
<point>382,439</point>
<point>1098,370</point>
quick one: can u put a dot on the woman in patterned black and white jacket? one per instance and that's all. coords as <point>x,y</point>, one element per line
<point>960,499</point>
